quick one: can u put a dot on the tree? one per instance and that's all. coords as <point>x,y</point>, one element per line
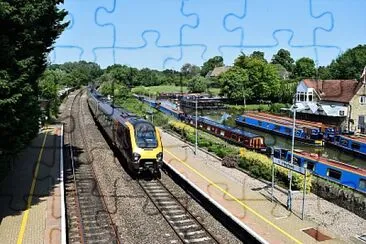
<point>190,70</point>
<point>283,57</point>
<point>197,84</point>
<point>350,64</point>
<point>263,78</point>
<point>324,73</point>
<point>109,85</point>
<point>259,55</point>
<point>29,28</point>
<point>210,64</point>
<point>48,87</point>
<point>304,68</point>
<point>235,85</point>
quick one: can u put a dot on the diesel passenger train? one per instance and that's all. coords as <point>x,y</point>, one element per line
<point>137,139</point>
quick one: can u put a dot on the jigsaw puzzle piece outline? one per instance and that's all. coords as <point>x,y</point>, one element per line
<point>190,37</point>
<point>245,29</point>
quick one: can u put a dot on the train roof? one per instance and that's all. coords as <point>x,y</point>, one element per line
<point>118,113</point>
<point>228,128</point>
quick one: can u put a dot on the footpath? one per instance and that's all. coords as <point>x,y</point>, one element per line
<point>31,196</point>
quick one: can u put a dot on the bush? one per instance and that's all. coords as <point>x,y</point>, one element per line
<point>261,166</point>
<point>257,164</point>
<point>230,161</point>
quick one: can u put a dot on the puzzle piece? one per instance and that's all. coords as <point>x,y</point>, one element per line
<point>319,53</point>
<point>133,18</point>
<point>188,54</point>
<point>210,31</point>
<point>84,33</point>
<point>260,20</point>
<point>149,54</point>
<point>345,13</point>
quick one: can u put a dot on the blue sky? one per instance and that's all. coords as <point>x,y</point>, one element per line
<point>168,33</point>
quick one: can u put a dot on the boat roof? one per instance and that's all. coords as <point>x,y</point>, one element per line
<point>358,138</point>
<point>330,162</point>
<point>225,127</point>
<point>284,121</point>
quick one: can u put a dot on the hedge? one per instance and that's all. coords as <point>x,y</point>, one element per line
<point>257,164</point>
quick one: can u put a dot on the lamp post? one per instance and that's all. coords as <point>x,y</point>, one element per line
<point>195,149</point>
<point>289,196</point>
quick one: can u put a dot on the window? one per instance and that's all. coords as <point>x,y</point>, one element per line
<point>234,136</point>
<point>310,96</point>
<point>241,139</point>
<point>341,113</point>
<point>335,174</point>
<point>302,96</point>
<point>362,184</point>
<point>310,165</point>
<point>222,133</point>
<point>145,135</point>
<point>356,146</point>
<point>344,142</point>
<point>363,100</point>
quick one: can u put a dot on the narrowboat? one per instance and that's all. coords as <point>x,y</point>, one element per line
<point>335,171</point>
<point>235,135</point>
<point>307,132</point>
<point>355,144</point>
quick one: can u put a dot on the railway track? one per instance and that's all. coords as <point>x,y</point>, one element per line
<point>88,218</point>
<point>187,227</point>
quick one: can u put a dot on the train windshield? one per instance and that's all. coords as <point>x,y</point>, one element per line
<point>145,135</point>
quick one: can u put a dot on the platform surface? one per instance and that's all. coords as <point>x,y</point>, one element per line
<point>30,196</point>
<point>271,220</point>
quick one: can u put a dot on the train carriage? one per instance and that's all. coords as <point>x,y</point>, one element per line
<point>137,139</point>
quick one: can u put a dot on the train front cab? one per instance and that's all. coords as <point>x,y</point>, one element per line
<point>141,145</point>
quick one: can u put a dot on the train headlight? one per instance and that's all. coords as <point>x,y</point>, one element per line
<point>159,157</point>
<point>136,157</point>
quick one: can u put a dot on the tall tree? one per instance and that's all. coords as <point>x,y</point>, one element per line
<point>197,84</point>
<point>258,55</point>
<point>235,85</point>
<point>210,64</point>
<point>263,77</point>
<point>350,64</point>
<point>304,68</point>
<point>190,70</point>
<point>283,57</point>
<point>29,28</point>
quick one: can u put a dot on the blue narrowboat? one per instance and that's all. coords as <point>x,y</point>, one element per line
<point>355,144</point>
<point>338,172</point>
<point>307,132</point>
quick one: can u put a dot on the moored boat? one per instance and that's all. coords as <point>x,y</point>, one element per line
<point>307,132</point>
<point>335,171</point>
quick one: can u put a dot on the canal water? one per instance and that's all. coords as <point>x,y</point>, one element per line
<point>282,142</point>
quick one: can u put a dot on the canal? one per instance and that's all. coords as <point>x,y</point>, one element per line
<point>282,142</point>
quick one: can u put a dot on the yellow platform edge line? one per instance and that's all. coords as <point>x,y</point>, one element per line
<point>30,197</point>
<point>235,199</point>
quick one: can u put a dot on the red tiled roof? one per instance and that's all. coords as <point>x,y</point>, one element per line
<point>334,90</point>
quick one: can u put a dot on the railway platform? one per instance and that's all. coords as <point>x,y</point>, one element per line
<point>250,206</point>
<point>31,196</point>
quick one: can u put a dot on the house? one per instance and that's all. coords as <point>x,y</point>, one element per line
<point>341,103</point>
<point>217,71</point>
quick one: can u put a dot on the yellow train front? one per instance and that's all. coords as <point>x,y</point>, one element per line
<point>137,139</point>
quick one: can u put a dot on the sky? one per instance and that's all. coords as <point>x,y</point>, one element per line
<point>165,34</point>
